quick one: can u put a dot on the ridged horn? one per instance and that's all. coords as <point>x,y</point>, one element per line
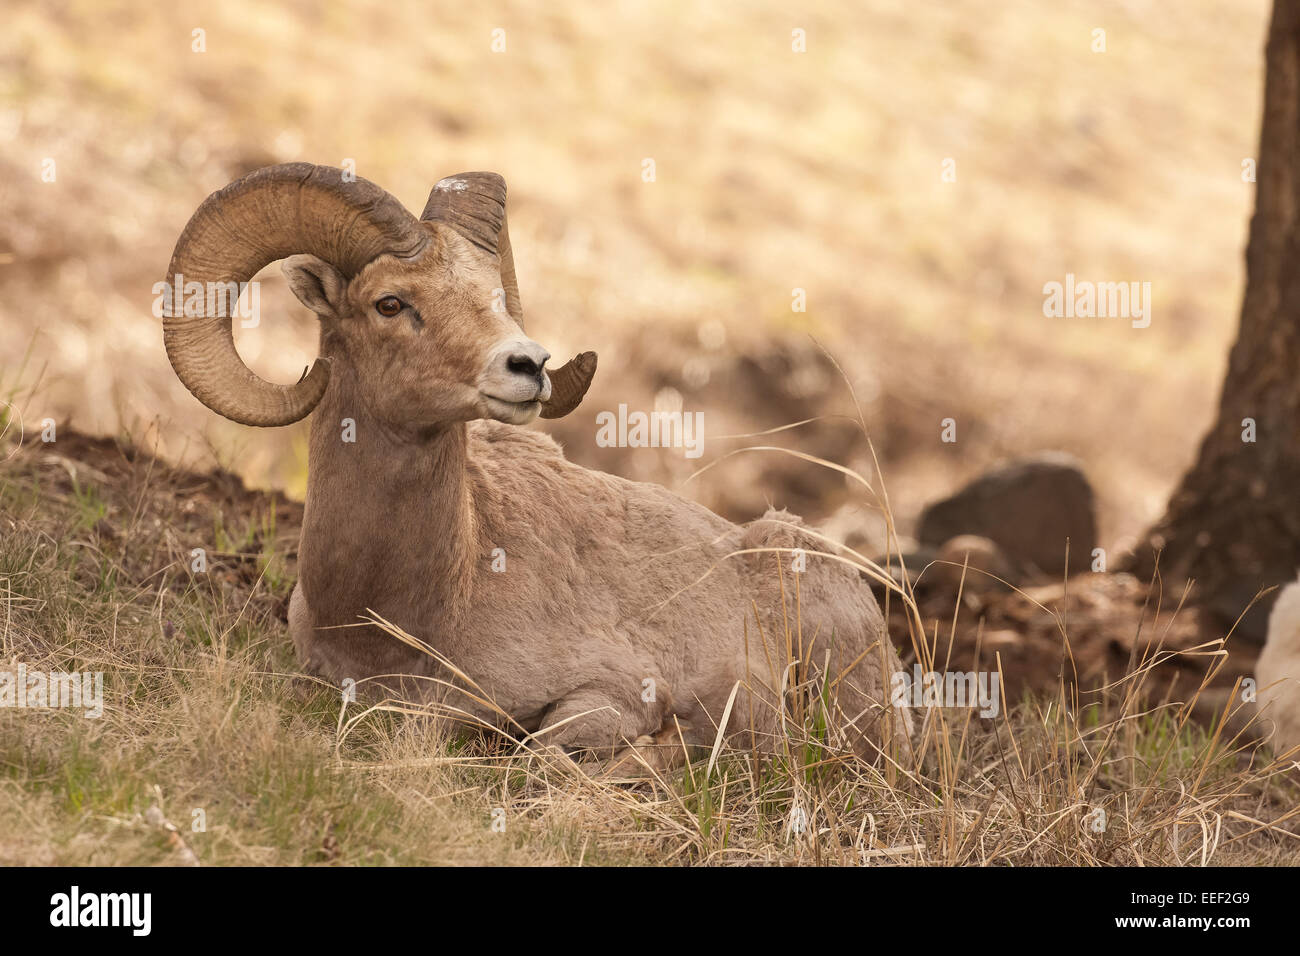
<point>474,204</point>
<point>271,213</point>
<point>569,384</point>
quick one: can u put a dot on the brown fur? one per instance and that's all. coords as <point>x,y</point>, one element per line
<point>608,583</point>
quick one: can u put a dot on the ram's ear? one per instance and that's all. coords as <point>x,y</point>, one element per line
<point>317,284</point>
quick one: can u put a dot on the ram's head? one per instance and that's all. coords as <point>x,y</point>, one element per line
<point>422,314</point>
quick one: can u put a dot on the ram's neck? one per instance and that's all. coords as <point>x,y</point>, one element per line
<point>389,523</point>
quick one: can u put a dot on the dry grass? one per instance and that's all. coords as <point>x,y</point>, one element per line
<point>205,710</point>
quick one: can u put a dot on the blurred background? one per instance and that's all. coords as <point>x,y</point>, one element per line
<point>774,170</point>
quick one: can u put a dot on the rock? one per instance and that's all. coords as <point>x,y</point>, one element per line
<point>1028,508</point>
<point>913,557</point>
<point>938,571</point>
<point>978,555</point>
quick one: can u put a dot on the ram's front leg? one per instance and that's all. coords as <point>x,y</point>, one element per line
<point>650,756</point>
<point>599,721</point>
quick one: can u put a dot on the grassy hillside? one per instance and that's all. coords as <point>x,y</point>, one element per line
<point>205,711</point>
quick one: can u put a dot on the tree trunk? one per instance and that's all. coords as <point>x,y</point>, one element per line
<point>1234,523</point>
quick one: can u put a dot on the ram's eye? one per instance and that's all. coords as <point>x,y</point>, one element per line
<point>389,306</point>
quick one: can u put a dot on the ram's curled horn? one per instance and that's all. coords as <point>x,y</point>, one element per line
<point>569,384</point>
<point>474,204</point>
<point>267,215</point>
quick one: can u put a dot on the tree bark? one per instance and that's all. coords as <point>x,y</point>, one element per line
<point>1233,525</point>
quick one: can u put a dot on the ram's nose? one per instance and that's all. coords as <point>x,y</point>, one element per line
<point>518,372</point>
<point>528,361</point>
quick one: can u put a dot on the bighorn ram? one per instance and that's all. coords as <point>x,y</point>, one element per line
<point>622,610</point>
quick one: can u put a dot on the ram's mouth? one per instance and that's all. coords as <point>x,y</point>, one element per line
<point>513,413</point>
